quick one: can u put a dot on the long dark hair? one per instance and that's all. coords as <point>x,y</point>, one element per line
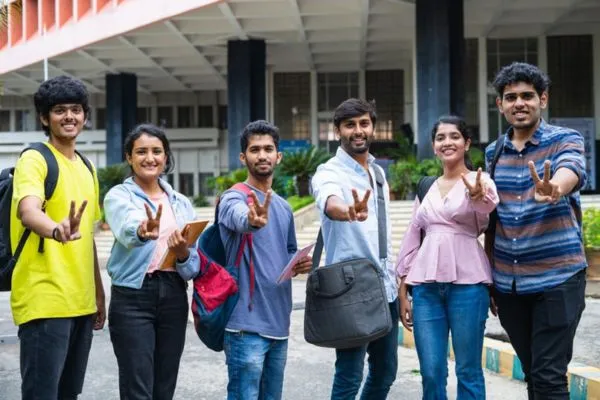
<point>461,125</point>
<point>150,130</point>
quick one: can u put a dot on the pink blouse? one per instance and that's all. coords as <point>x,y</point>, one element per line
<point>450,251</point>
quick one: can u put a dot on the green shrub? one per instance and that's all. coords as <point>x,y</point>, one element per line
<point>297,202</point>
<point>110,176</point>
<point>302,165</point>
<point>477,158</point>
<point>200,201</point>
<point>223,182</point>
<point>591,228</point>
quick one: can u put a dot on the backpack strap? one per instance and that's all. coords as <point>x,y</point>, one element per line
<point>49,182</point>
<point>246,241</point>
<point>490,232</point>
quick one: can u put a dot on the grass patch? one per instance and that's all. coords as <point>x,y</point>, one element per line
<point>297,202</point>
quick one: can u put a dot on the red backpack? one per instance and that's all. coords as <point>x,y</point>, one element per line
<point>215,290</point>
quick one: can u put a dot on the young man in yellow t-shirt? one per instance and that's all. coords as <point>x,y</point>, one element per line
<point>57,297</point>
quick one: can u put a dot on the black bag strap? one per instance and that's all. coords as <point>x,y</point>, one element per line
<point>497,153</point>
<point>381,222</point>
<point>424,185</point>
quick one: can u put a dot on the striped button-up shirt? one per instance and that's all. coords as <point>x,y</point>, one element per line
<point>538,245</point>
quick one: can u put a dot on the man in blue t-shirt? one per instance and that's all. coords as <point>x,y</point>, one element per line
<point>257,332</point>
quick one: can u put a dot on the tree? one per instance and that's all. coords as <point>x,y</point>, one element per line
<point>303,165</point>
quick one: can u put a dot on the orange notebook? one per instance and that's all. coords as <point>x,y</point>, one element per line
<point>191,231</point>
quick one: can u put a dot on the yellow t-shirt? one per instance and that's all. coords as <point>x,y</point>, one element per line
<point>59,282</point>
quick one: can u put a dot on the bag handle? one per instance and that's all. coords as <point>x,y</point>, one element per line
<point>381,222</point>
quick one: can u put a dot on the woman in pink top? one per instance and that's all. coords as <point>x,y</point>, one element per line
<point>448,270</point>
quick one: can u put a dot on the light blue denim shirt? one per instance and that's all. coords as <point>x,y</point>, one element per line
<point>130,257</point>
<point>348,240</point>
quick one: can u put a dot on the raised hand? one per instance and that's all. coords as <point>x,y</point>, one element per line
<point>359,211</point>
<point>68,229</point>
<point>149,229</point>
<point>258,214</point>
<point>545,190</point>
<point>478,190</point>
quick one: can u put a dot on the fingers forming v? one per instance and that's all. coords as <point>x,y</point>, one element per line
<point>366,198</point>
<point>547,171</point>
<point>81,210</point>
<point>533,172</point>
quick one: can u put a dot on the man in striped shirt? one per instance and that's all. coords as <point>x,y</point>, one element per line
<point>538,258</point>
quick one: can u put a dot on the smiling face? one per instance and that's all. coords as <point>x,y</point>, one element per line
<point>65,121</point>
<point>522,106</point>
<point>148,158</point>
<point>356,134</point>
<point>449,144</point>
<point>261,156</point>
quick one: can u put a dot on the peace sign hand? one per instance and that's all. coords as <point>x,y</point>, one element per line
<point>68,229</point>
<point>258,214</point>
<point>149,229</point>
<point>478,191</point>
<point>359,211</point>
<point>545,190</point>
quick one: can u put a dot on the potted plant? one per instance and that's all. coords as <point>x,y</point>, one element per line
<point>302,165</point>
<point>591,241</point>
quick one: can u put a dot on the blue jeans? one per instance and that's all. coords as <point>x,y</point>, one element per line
<point>383,365</point>
<point>255,365</point>
<point>54,356</point>
<point>461,309</point>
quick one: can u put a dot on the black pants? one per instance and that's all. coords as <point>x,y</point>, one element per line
<point>541,328</point>
<point>54,356</point>
<point>147,329</point>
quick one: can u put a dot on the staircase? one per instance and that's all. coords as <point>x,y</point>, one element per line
<point>400,214</point>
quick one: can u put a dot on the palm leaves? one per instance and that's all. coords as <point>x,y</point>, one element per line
<point>302,165</point>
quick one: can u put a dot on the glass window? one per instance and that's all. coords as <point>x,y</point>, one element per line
<point>143,115</point>
<point>4,120</point>
<point>186,184</point>
<point>291,94</point>
<point>100,115</point>
<point>165,117</point>
<point>335,88</point>
<point>205,117</point>
<point>171,179</point>
<point>24,121</point>
<point>571,69</point>
<point>387,89</point>
<point>203,183</point>
<point>184,116</point>
<point>222,117</point>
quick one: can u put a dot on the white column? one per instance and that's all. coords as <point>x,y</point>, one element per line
<point>596,80</point>
<point>543,63</point>
<point>270,95</point>
<point>12,120</point>
<point>362,84</point>
<point>408,93</point>
<point>314,119</point>
<point>484,126</point>
<point>75,10</point>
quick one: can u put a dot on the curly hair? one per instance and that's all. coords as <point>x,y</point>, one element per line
<point>259,127</point>
<point>60,90</point>
<point>521,72</point>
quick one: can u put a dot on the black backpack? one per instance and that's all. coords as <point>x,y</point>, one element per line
<point>8,260</point>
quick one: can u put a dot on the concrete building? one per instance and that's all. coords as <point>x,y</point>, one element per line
<point>204,68</point>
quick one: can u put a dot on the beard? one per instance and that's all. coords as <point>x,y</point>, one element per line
<point>259,172</point>
<point>351,148</point>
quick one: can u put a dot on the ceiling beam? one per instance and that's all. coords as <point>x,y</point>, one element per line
<point>90,85</point>
<point>4,91</point>
<point>131,45</point>
<point>107,67</point>
<point>26,78</point>
<point>203,59</point>
<point>302,33</point>
<point>364,32</point>
<point>563,16</point>
<point>233,21</point>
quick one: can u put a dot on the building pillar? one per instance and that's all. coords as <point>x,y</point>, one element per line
<point>314,109</point>
<point>482,92</point>
<point>246,90</point>
<point>121,110</point>
<point>440,58</point>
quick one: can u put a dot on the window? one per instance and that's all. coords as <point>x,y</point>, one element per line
<point>387,89</point>
<point>171,179</point>
<point>4,120</point>
<point>205,117</point>
<point>186,184</point>
<point>203,178</point>
<point>184,117</point>
<point>571,69</point>
<point>100,118</point>
<point>165,117</point>
<point>291,101</point>
<point>334,88</point>
<point>501,52</point>
<point>143,115</point>
<point>223,117</point>
<point>24,121</point>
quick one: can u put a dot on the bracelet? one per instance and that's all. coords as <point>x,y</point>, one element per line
<point>55,231</point>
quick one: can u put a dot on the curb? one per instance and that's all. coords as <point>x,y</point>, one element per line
<point>500,357</point>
